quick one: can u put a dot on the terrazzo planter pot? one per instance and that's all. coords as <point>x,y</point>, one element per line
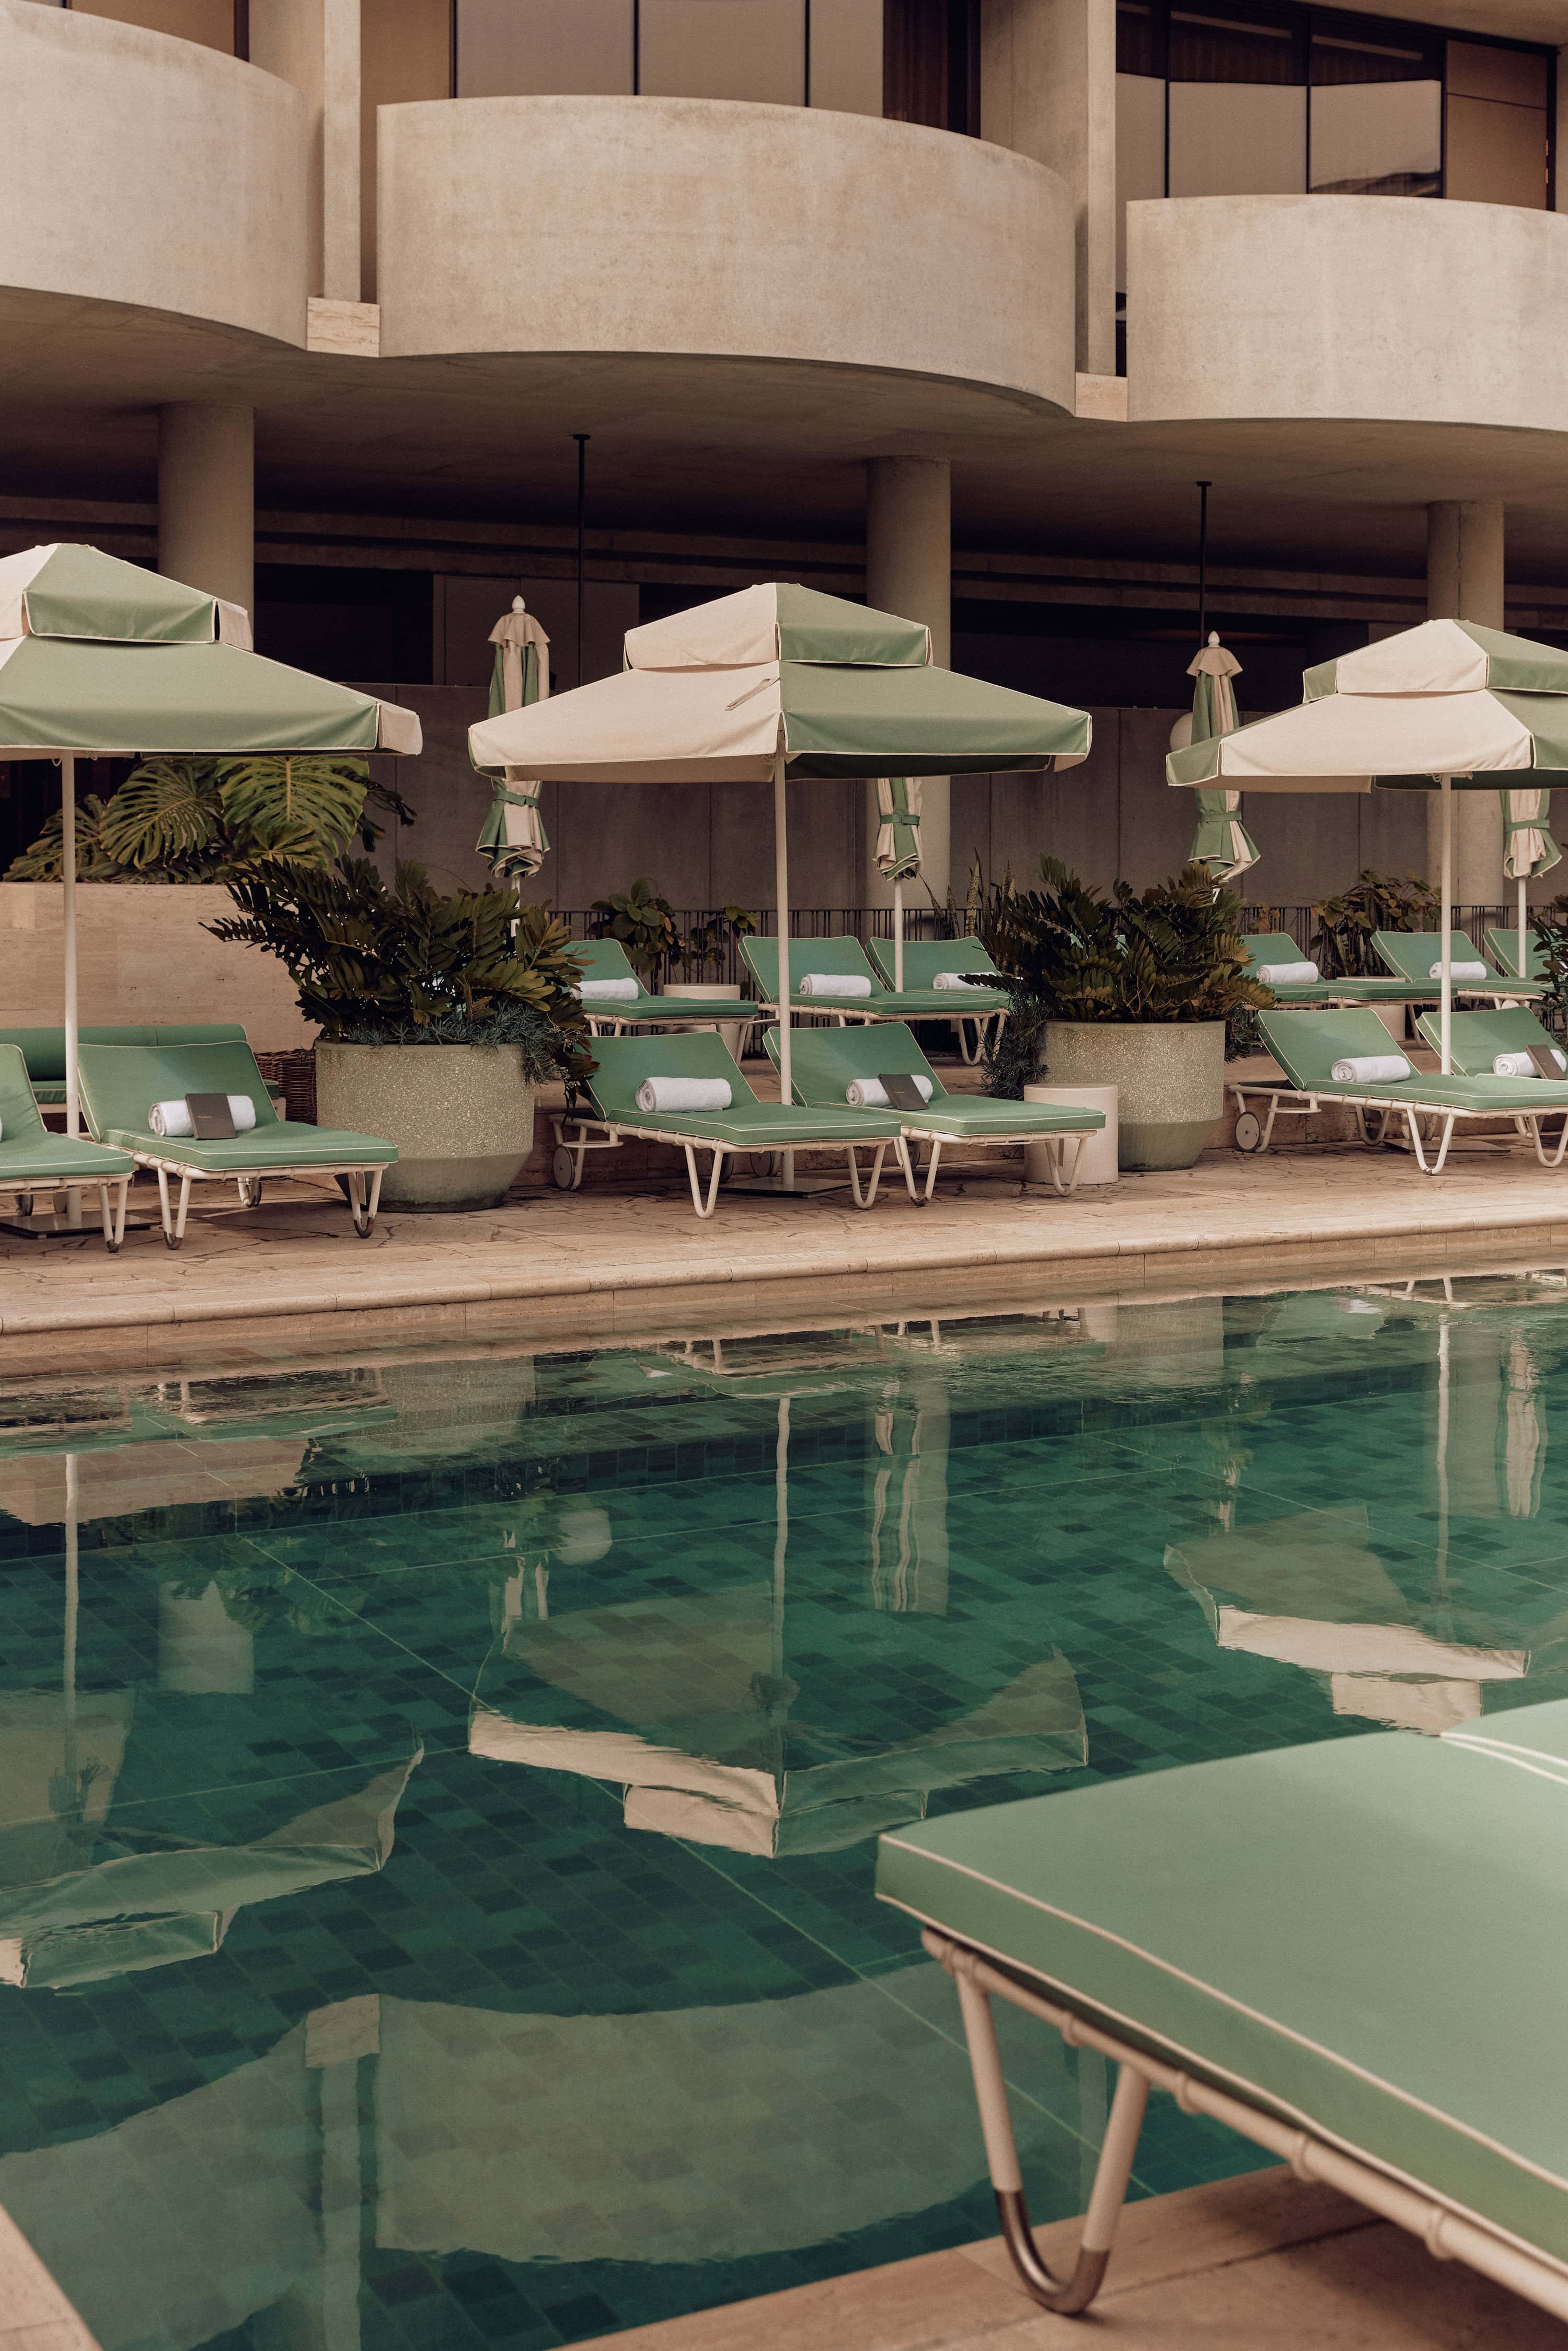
<point>1170,1076</point>
<point>473,1100</point>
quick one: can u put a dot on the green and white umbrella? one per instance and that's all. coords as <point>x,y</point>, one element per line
<point>1222,842</point>
<point>513,835</point>
<point>99,659</point>
<point>1447,707</point>
<point>775,683</point>
<point>898,848</point>
<point>1528,848</point>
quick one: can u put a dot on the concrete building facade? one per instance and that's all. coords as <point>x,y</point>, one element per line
<point>945,303</point>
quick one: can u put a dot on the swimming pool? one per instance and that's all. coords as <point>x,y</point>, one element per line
<point>438,1794</point>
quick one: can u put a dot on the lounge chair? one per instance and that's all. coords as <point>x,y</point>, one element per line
<point>44,1049</point>
<point>1503,948</point>
<point>825,1062</point>
<point>923,958</point>
<point>608,959</point>
<point>33,1160</point>
<point>1411,956</point>
<point>1347,1952</point>
<point>844,958</point>
<point>1478,1037</point>
<point>1307,1045</point>
<point>120,1084</point>
<point>1265,947</point>
<point>748,1126</point>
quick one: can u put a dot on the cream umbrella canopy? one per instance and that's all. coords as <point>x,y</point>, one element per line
<point>1444,706</point>
<point>777,682</point>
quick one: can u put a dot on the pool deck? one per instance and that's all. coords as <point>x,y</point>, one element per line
<point>1259,2263</point>
<point>627,1253</point>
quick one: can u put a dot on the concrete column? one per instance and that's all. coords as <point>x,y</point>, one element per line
<point>1048,89</point>
<point>1465,582</point>
<point>315,45</point>
<point>909,570</point>
<point>206,498</point>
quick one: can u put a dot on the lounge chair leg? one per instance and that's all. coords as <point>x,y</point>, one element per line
<point>867,1198</point>
<point>905,1161</point>
<point>169,1237</point>
<point>1067,1143</point>
<point>704,1208</point>
<point>124,1201</point>
<point>361,1207</point>
<point>931,1166</point>
<point>1066,2296</point>
<point>103,1209</point>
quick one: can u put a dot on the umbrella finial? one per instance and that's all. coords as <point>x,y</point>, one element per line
<point>518,605</point>
<point>1214,636</point>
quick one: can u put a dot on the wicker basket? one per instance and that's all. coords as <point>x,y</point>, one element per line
<point>293,1074</point>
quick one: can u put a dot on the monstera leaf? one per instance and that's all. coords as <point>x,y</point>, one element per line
<point>301,809</point>
<point>166,810</point>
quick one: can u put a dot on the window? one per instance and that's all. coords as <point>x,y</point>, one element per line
<point>1376,116</point>
<point>1236,109</point>
<point>930,63</point>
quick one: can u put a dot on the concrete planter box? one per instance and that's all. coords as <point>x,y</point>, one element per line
<point>461,1117</point>
<point>1170,1076</point>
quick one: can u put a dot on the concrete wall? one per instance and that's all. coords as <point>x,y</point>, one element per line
<point>710,845</point>
<point>139,168</point>
<point>1308,307</point>
<point>143,955</point>
<point>685,224</point>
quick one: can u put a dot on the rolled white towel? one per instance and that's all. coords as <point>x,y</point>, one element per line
<point>1371,1069</point>
<point>1288,975</point>
<point>870,1094</point>
<point>833,983</point>
<point>609,991</point>
<point>172,1118</point>
<point>1468,971</point>
<point>1519,1065</point>
<point>684,1093</point>
<point>962,978</point>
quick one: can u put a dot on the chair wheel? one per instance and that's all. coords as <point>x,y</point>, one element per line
<point>171,1240</point>
<point>563,1167</point>
<point>1248,1133</point>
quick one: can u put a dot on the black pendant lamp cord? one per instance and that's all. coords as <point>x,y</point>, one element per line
<point>582,440</point>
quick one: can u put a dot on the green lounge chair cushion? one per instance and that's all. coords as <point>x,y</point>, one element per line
<point>843,957</point>
<point>29,1153</point>
<point>1503,948</point>
<point>1411,955</point>
<point>608,959</point>
<point>1366,1933</point>
<point>824,1061</point>
<point>1475,1039</point>
<point>923,958</point>
<point>622,1063</point>
<point>1307,1044</point>
<point>44,1049</point>
<point>121,1082</point>
<point>1278,946</point>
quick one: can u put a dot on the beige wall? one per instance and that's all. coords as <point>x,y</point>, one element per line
<point>143,955</point>
<point>405,54</point>
<point>1048,89</point>
<point>682,224</point>
<point>1346,307</point>
<point>136,170</point>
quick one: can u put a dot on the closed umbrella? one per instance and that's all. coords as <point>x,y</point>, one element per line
<point>1528,848</point>
<point>775,682</point>
<point>1445,706</point>
<point>1222,843</point>
<point>898,848</point>
<point>99,659</point>
<point>513,836</point>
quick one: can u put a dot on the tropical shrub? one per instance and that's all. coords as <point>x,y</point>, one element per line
<point>643,923</point>
<point>405,965</point>
<point>1172,953</point>
<point>1341,938</point>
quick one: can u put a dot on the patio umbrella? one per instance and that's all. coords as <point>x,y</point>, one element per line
<point>1526,848</point>
<point>775,682</point>
<point>898,848</point>
<point>99,659</point>
<point>513,835</point>
<point>1222,843</point>
<point>1445,706</point>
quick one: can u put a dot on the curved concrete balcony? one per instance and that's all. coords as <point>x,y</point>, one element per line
<point>644,227</point>
<point>149,173</point>
<point>1387,308</point>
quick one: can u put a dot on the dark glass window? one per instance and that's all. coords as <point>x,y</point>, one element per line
<point>930,63</point>
<point>1238,105</point>
<point>1377,114</point>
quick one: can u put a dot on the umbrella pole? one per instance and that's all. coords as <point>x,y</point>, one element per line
<point>781,878</point>
<point>898,937</point>
<point>68,939</point>
<point>1445,786</point>
<point>1523,959</point>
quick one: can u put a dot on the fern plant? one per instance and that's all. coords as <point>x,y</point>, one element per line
<point>405,964</point>
<point>1173,953</point>
<point>216,820</point>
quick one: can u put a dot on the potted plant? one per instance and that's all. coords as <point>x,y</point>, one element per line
<point>439,1016</point>
<point>1133,990</point>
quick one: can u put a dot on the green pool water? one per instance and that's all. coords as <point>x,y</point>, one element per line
<point>438,1795</point>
